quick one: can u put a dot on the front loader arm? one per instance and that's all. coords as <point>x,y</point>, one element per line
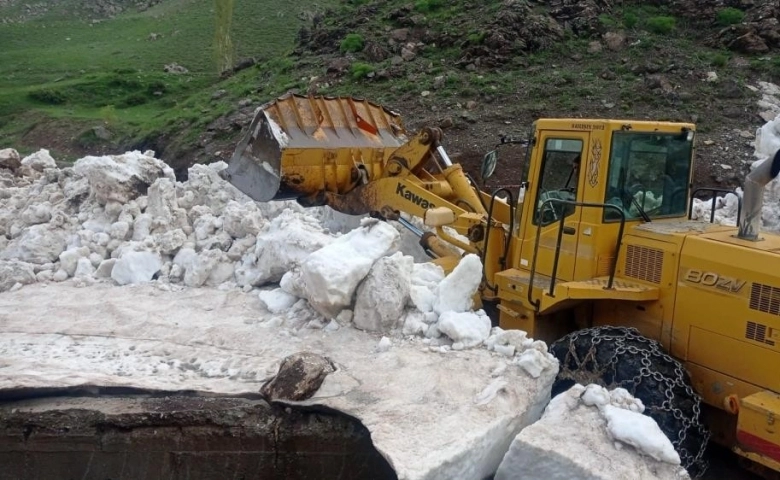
<point>355,157</point>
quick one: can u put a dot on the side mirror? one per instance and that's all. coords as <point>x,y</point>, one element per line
<point>489,162</point>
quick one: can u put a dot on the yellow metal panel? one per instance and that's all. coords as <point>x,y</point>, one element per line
<point>716,280</point>
<point>715,387</point>
<point>735,358</point>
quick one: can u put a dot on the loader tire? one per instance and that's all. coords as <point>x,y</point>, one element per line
<point>621,357</point>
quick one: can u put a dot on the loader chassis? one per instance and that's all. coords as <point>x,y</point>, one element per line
<point>600,236</point>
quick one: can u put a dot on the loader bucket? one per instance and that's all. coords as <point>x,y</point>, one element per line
<point>299,146</point>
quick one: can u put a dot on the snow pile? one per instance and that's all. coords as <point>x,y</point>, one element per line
<point>767,143</point>
<point>590,432</point>
<point>125,219</point>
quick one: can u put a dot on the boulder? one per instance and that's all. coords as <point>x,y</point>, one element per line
<point>299,377</point>
<point>9,158</point>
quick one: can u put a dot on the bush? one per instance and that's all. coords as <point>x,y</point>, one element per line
<point>719,59</point>
<point>426,6</point>
<point>730,16</point>
<point>353,42</point>
<point>47,95</point>
<point>360,70</point>
<point>661,25</point>
<point>630,20</point>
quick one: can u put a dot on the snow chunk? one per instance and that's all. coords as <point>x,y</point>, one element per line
<point>465,328</point>
<point>381,297</point>
<point>13,272</point>
<point>277,300</point>
<point>573,440</point>
<point>136,267</point>
<point>289,239</point>
<point>37,244</point>
<point>39,160</point>
<point>455,292</point>
<point>121,178</point>
<point>641,432</point>
<point>330,275</point>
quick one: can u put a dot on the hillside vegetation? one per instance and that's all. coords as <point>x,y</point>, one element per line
<point>90,76</point>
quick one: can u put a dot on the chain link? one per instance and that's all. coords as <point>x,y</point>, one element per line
<point>618,345</point>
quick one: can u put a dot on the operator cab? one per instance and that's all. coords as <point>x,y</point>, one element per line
<point>583,177</point>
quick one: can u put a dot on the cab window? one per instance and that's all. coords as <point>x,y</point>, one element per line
<point>648,174</point>
<point>559,178</point>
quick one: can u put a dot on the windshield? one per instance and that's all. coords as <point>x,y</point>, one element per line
<point>649,172</point>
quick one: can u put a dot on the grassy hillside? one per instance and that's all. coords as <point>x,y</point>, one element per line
<point>87,77</point>
<point>71,70</point>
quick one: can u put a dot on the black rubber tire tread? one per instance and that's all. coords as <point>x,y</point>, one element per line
<point>621,357</point>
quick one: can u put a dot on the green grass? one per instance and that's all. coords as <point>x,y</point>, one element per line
<point>71,67</point>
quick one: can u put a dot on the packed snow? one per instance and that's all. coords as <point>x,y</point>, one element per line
<point>595,434</point>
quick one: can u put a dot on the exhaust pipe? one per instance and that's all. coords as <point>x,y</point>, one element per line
<point>753,196</point>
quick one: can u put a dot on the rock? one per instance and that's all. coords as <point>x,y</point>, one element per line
<point>658,82</point>
<point>446,122</point>
<point>711,77</point>
<point>471,105</point>
<point>101,132</point>
<point>615,41</point>
<point>374,52</point>
<point>399,35</point>
<point>39,160</point>
<point>749,43</point>
<point>175,69</point>
<point>14,272</point>
<point>439,81</point>
<point>218,94</point>
<point>572,440</point>
<point>9,158</point>
<point>299,377</point>
<point>407,54</point>
<point>594,47</point>
<point>338,65</point>
<point>382,296</point>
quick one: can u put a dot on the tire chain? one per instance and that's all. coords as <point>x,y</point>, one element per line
<point>625,340</point>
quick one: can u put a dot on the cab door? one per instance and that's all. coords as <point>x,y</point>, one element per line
<point>555,174</point>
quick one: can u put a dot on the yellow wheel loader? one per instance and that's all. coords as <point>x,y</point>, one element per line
<point>595,254</point>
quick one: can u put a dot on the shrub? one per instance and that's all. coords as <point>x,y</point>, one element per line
<point>719,59</point>
<point>426,6</point>
<point>630,20</point>
<point>607,21</point>
<point>133,100</point>
<point>661,25</point>
<point>730,16</point>
<point>353,42</point>
<point>47,95</point>
<point>360,70</point>
<point>476,38</point>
